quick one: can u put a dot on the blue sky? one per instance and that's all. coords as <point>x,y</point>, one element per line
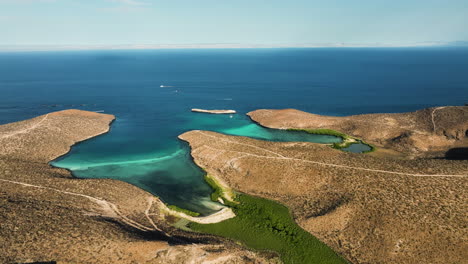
<point>264,22</point>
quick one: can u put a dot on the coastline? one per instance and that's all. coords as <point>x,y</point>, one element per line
<point>70,213</point>
<point>252,167</point>
<point>411,134</point>
<point>347,140</point>
<point>78,142</point>
<point>221,215</point>
<point>316,183</point>
<point>240,201</point>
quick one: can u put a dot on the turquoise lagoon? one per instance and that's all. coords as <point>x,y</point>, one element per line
<point>170,173</point>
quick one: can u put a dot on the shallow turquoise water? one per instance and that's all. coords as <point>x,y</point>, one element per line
<point>358,148</point>
<point>171,173</point>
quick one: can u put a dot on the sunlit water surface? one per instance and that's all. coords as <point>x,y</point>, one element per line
<point>142,147</point>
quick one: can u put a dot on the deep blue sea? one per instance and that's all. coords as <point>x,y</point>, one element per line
<point>142,147</point>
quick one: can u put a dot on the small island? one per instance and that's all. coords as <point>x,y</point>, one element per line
<point>213,111</point>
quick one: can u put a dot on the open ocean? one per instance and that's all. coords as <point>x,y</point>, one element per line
<point>142,147</point>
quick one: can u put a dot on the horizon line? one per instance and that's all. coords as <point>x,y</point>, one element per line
<point>32,48</point>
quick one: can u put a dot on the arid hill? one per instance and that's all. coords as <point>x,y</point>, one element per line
<point>427,132</point>
<point>47,215</point>
<point>370,209</point>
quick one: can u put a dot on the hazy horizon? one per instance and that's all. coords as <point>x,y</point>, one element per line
<point>428,44</point>
<point>149,24</point>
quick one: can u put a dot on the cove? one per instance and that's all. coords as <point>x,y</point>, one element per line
<point>169,172</point>
<point>259,224</point>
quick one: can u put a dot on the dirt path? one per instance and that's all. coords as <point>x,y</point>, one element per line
<point>433,114</point>
<point>279,156</point>
<point>109,209</point>
<point>34,126</point>
<point>237,143</point>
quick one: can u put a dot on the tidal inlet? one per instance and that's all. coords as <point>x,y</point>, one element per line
<point>248,132</point>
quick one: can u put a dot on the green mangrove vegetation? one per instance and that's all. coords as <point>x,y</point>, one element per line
<point>182,210</point>
<point>219,192</point>
<point>321,131</point>
<point>266,225</point>
<point>347,140</point>
<point>263,224</point>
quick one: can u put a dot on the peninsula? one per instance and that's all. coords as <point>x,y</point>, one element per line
<point>48,215</point>
<point>430,132</point>
<point>395,205</point>
<point>213,111</point>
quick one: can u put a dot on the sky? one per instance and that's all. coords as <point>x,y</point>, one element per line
<point>234,22</point>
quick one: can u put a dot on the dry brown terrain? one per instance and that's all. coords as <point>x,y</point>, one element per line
<point>427,132</point>
<point>47,215</point>
<point>369,208</point>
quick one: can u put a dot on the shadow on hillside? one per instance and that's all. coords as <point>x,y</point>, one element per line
<point>457,154</point>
